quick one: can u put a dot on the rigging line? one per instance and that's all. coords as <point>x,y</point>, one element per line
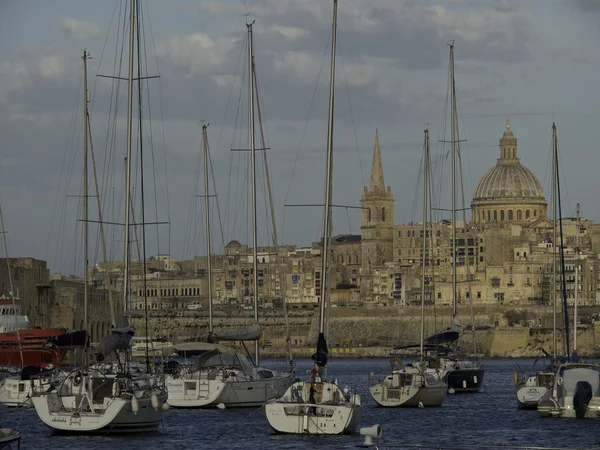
<point>360,166</point>
<point>71,129</point>
<point>142,196</point>
<point>417,189</point>
<point>163,133</point>
<point>312,99</point>
<point>73,158</point>
<point>212,174</point>
<point>155,180</point>
<point>231,86</point>
<point>108,33</point>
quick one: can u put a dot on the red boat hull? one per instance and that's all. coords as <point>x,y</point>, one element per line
<point>35,348</point>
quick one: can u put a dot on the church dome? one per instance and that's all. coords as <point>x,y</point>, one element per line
<point>508,180</point>
<point>509,191</point>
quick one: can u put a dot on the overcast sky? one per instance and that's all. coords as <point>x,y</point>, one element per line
<point>533,60</point>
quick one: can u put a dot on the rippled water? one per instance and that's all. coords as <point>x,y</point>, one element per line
<point>487,418</point>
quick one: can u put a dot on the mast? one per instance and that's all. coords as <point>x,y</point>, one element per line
<point>328,188</point>
<point>253,163</point>
<point>554,213</point>
<point>288,339</point>
<point>206,212</point>
<point>126,267</point>
<point>453,139</point>
<point>576,282</point>
<point>85,197</point>
<point>11,286</point>
<point>425,187</point>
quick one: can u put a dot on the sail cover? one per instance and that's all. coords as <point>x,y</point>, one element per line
<point>444,337</point>
<point>320,357</point>
<point>118,339</point>
<point>252,333</point>
<point>75,339</point>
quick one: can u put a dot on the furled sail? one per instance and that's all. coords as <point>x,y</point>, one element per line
<point>252,333</point>
<point>118,339</point>
<point>320,357</point>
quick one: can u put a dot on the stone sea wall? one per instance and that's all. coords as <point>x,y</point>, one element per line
<point>359,332</point>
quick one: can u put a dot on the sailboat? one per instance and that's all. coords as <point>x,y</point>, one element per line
<point>463,374</point>
<point>414,384</point>
<point>221,376</point>
<point>319,406</point>
<point>86,400</point>
<point>536,389</point>
<point>575,388</point>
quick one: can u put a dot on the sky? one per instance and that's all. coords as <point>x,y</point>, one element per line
<point>533,60</point>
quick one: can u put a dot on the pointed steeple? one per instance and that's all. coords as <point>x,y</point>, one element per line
<point>377,184</point>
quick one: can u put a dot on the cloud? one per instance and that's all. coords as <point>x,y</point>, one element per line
<point>198,53</point>
<point>77,29</point>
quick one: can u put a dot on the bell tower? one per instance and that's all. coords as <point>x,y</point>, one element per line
<point>377,224</point>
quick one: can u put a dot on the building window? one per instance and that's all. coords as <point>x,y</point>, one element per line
<point>368,214</point>
<point>383,214</point>
<point>519,215</point>
<point>510,214</point>
<point>439,295</point>
<point>488,214</point>
<point>495,216</point>
<point>527,214</point>
<point>502,215</point>
<point>535,213</point>
<point>478,294</point>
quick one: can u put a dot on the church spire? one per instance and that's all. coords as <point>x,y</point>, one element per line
<point>377,184</point>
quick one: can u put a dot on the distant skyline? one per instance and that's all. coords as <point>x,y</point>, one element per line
<point>535,61</point>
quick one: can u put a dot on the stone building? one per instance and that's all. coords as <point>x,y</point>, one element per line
<point>31,283</point>
<point>503,256</point>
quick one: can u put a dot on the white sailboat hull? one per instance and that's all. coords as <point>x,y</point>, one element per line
<point>193,393</point>
<point>203,393</point>
<point>250,393</point>
<point>411,396</point>
<point>328,411</point>
<point>117,416</point>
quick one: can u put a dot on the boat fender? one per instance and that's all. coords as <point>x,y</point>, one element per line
<point>165,406</point>
<point>154,401</point>
<point>135,406</point>
<point>77,379</point>
<point>516,378</point>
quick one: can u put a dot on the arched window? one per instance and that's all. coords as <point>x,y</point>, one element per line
<point>495,216</point>
<point>501,215</point>
<point>510,214</point>
<point>489,216</point>
<point>527,214</point>
<point>519,215</point>
<point>383,214</point>
<point>534,212</point>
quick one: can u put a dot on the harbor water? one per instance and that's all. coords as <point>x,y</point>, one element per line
<point>487,418</point>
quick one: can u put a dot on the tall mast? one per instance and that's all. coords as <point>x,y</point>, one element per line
<point>425,188</point>
<point>126,267</point>
<point>206,212</point>
<point>576,282</point>
<point>11,286</point>
<point>328,186</point>
<point>85,196</point>
<point>253,163</point>
<point>86,98</point>
<point>453,139</point>
<point>554,213</point>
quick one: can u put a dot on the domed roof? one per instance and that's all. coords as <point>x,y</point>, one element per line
<point>508,180</point>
